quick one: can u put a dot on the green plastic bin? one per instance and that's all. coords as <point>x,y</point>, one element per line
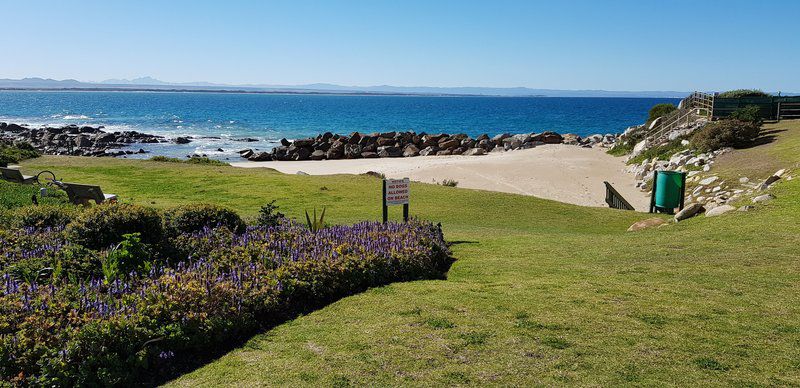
<point>669,189</point>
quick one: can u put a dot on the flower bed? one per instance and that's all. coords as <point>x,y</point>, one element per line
<point>136,328</point>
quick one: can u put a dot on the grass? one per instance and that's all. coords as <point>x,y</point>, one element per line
<point>542,293</point>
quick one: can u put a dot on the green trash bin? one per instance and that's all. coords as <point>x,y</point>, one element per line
<point>668,191</point>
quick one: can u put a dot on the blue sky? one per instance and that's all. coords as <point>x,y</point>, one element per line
<point>612,45</point>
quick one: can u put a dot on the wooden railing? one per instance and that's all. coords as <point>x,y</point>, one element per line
<point>615,200</point>
<point>694,106</point>
<point>788,110</point>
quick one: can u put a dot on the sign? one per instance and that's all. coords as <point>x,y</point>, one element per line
<point>397,191</point>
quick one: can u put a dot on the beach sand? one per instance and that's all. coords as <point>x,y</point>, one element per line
<point>559,172</point>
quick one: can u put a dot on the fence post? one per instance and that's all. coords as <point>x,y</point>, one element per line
<point>778,116</point>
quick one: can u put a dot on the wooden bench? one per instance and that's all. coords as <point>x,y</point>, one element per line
<point>82,194</point>
<point>15,175</point>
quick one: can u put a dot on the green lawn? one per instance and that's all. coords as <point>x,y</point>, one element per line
<point>542,293</point>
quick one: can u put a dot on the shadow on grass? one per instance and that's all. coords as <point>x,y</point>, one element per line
<point>190,364</point>
<point>766,137</point>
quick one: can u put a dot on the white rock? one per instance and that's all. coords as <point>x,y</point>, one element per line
<point>780,172</point>
<point>719,210</point>
<point>744,180</point>
<point>709,180</point>
<point>684,142</point>
<point>763,198</point>
<point>718,188</point>
<point>706,168</point>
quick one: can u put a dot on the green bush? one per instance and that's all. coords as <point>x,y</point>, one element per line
<point>105,225</point>
<point>194,218</point>
<point>269,215</point>
<point>659,110</point>
<point>739,93</point>
<point>750,113</point>
<point>16,153</point>
<point>196,160</point>
<point>726,133</point>
<point>44,216</point>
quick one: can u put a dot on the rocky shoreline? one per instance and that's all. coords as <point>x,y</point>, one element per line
<point>77,140</point>
<point>329,146</point>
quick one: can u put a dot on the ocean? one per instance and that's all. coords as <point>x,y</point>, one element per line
<point>220,120</point>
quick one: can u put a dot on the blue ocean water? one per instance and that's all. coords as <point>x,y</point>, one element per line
<point>216,120</point>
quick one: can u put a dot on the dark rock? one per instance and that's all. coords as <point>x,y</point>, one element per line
<point>303,142</point>
<point>285,142</point>
<point>550,137</point>
<point>105,138</point>
<point>410,150</point>
<point>353,151</point>
<point>444,153</point>
<point>369,155</point>
<point>449,144</point>
<point>180,140</point>
<point>318,155</point>
<point>301,154</point>
<point>389,152</point>
<point>260,157</point>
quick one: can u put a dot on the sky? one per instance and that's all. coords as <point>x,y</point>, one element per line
<point>638,45</point>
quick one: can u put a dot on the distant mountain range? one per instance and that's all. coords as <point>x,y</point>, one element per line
<point>149,83</point>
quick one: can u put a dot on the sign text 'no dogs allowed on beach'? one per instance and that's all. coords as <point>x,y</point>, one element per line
<point>396,192</point>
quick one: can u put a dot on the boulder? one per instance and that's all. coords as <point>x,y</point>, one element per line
<point>246,153</point>
<point>475,152</point>
<point>389,152</point>
<point>571,138</point>
<point>432,150</point>
<point>688,211</point>
<point>449,144</point>
<point>648,223</point>
<point>82,142</point>
<point>285,142</point>
<point>411,150</point>
<point>352,151</point>
<point>763,198</point>
<point>444,153</point>
<point>550,137</point>
<point>300,143</point>
<point>301,154</point>
<point>317,155</point>
<point>369,155</point>
<point>719,210</point>
<point>109,137</point>
<point>260,157</point>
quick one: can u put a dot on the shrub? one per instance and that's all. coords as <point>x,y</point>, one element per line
<point>16,153</point>
<point>750,113</point>
<point>739,93</point>
<point>44,216</point>
<point>104,225</point>
<point>194,218</point>
<point>725,133</point>
<point>129,256</point>
<point>193,160</point>
<point>659,110</point>
<point>450,183</point>
<point>133,331</point>
<point>269,215</point>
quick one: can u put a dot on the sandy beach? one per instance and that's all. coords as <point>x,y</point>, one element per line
<point>563,173</point>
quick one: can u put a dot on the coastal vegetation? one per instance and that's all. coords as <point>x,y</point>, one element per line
<point>739,93</point>
<point>122,294</point>
<point>540,291</point>
<point>192,160</point>
<point>15,152</point>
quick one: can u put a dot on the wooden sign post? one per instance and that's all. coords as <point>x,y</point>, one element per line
<point>395,192</point>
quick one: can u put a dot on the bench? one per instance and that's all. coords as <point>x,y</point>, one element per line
<point>14,175</point>
<point>82,194</point>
